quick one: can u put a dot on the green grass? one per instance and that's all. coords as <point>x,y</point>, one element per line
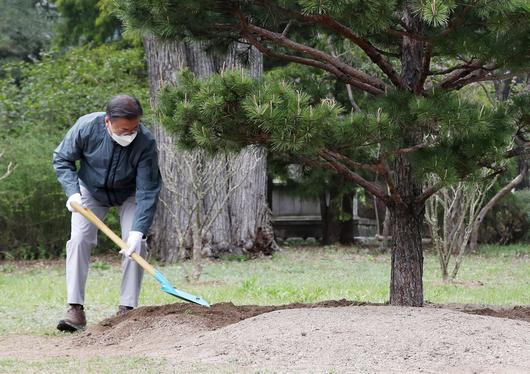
<point>117,364</point>
<point>33,296</point>
<point>98,365</point>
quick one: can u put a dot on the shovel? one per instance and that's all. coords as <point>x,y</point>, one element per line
<point>166,286</point>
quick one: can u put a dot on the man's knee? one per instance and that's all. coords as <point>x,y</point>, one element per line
<point>82,240</point>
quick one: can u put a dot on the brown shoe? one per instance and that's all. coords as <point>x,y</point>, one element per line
<point>122,309</point>
<point>75,319</point>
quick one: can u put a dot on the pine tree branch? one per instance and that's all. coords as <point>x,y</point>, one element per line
<point>310,62</point>
<point>459,73</point>
<point>428,193</point>
<point>453,68</point>
<point>480,77</point>
<point>402,151</point>
<point>474,72</point>
<point>426,63</point>
<point>379,168</point>
<point>366,46</point>
<point>354,164</point>
<point>370,50</point>
<point>387,53</point>
<point>336,164</point>
<point>282,40</point>
<point>377,86</point>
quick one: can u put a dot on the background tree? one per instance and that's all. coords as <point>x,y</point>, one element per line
<point>243,224</point>
<point>201,197</point>
<point>86,21</point>
<point>451,215</point>
<point>521,116</point>
<point>455,213</point>
<point>25,28</point>
<point>422,54</point>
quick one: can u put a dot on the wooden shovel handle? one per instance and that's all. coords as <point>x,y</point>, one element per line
<point>88,214</point>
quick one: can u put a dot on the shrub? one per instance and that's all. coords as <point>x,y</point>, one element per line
<point>508,222</point>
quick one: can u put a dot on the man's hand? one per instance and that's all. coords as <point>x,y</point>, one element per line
<point>134,243</point>
<point>74,198</point>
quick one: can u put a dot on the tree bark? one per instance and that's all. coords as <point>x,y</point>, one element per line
<point>242,222</point>
<point>406,285</point>
<point>406,215</point>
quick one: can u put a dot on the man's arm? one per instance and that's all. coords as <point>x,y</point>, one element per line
<point>64,158</point>
<point>148,183</point>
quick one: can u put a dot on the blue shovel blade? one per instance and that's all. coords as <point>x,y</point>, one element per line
<point>167,287</point>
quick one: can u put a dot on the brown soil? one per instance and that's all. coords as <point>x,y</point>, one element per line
<point>144,319</point>
<point>338,336</point>
<point>117,328</point>
<point>519,312</point>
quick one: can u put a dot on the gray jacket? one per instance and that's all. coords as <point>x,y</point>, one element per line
<point>109,171</point>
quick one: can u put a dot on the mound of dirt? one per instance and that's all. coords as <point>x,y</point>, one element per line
<point>333,336</point>
<point>341,336</point>
<point>183,317</point>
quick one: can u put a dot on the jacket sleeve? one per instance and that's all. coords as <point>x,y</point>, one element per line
<point>148,184</point>
<point>64,158</point>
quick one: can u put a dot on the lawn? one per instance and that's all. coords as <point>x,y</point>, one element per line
<point>33,294</point>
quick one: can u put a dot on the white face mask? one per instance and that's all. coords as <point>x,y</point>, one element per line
<point>123,140</point>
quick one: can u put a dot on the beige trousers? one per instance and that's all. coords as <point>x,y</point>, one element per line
<point>84,237</point>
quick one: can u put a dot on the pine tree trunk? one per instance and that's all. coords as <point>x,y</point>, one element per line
<point>406,283</point>
<point>406,217</point>
<point>241,224</point>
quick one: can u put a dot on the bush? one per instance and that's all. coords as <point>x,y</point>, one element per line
<point>509,221</point>
<point>38,103</point>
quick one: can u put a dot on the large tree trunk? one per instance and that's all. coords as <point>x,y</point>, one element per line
<point>406,285</point>
<point>240,225</point>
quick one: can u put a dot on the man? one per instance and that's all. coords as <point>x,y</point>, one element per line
<point>118,166</point>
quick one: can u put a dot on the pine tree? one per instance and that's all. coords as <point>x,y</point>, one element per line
<point>423,54</point>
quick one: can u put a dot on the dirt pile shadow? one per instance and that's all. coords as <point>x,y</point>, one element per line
<point>183,319</point>
<point>518,312</point>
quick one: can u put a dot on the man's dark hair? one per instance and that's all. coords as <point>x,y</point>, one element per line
<point>124,106</point>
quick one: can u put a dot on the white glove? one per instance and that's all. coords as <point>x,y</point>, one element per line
<point>74,198</point>
<point>134,243</point>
